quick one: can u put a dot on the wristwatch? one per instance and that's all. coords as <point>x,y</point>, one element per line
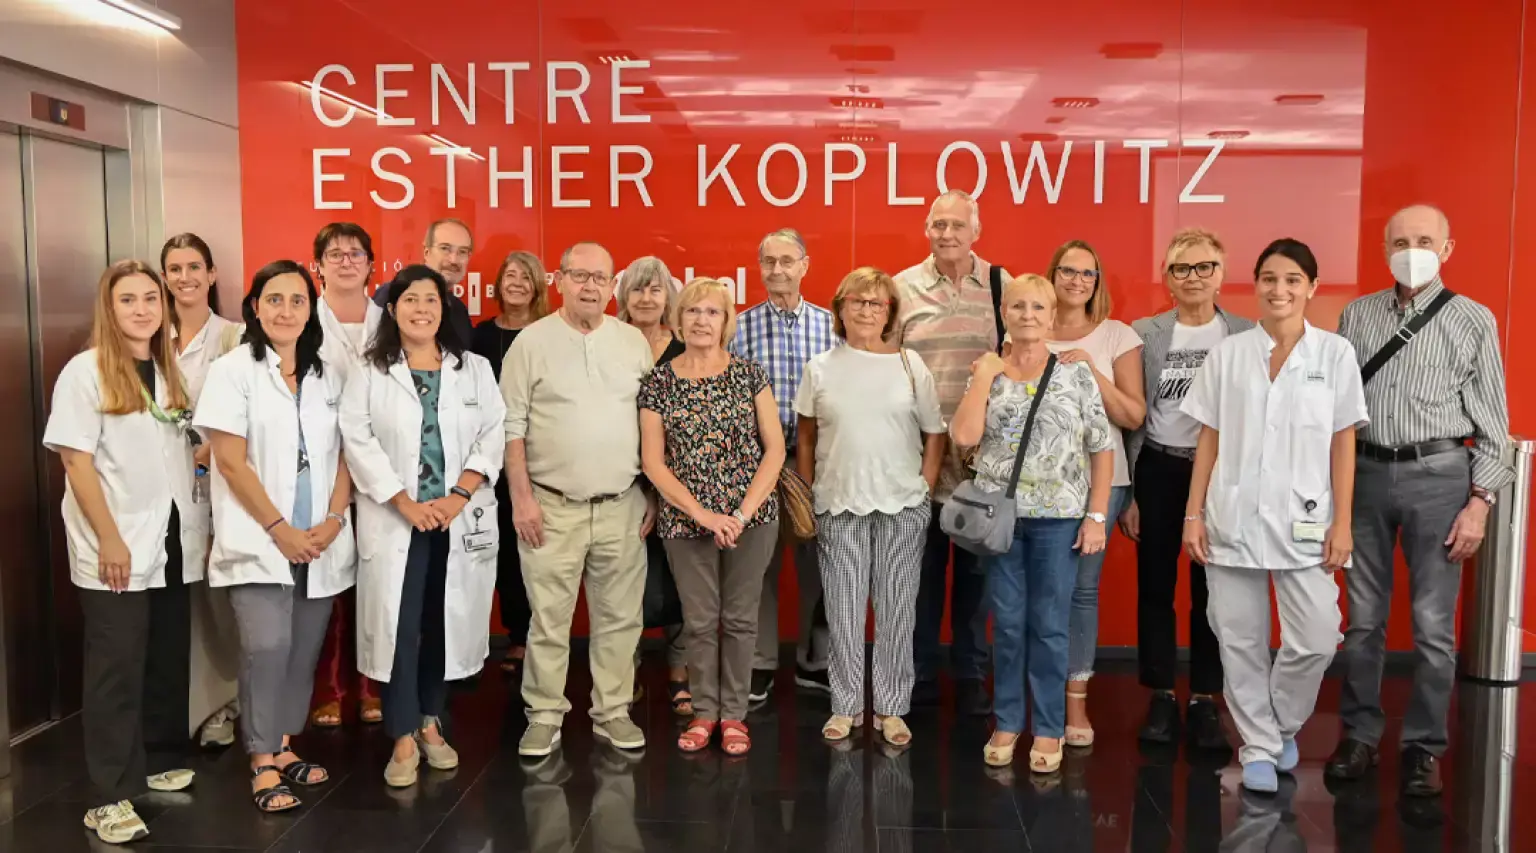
<point>461,492</point>
<point>1485,496</point>
<point>739,517</point>
<point>1095,516</point>
<point>338,518</point>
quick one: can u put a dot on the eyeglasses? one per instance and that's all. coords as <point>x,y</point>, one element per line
<point>337,256</point>
<point>1204,269</point>
<point>785,262</point>
<point>1070,273</point>
<point>584,276</point>
<point>875,305</point>
<point>452,251</point>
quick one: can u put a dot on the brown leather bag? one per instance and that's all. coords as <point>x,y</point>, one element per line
<point>797,509</point>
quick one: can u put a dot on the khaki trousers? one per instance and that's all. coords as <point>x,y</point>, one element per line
<point>599,542</point>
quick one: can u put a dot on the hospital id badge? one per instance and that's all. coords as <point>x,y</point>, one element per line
<point>1309,531</point>
<point>477,541</point>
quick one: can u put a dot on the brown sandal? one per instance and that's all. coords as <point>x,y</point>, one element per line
<point>734,738</point>
<point>327,716</point>
<point>697,736</point>
<point>371,710</point>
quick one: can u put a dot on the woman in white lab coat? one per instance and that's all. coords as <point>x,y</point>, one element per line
<point>280,494</point>
<point>118,423</point>
<point>200,336</point>
<point>422,421</point>
<point>1270,502</point>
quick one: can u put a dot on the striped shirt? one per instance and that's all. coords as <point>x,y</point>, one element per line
<point>1448,382</point>
<point>782,342</point>
<point>950,326</point>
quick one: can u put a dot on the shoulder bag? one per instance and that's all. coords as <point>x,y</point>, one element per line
<point>996,279</point>
<point>981,521</point>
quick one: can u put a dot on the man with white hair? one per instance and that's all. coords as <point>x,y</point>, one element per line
<point>1433,379</point>
<point>950,317</point>
<point>447,248</point>
<point>571,382</point>
<point>782,333</point>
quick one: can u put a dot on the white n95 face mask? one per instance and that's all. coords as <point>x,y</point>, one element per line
<point>1414,267</point>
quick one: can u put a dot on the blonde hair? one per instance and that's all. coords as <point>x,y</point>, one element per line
<point>859,282</point>
<point>699,290</point>
<point>1029,283</point>
<point>1098,307</point>
<point>643,271</point>
<point>538,306</point>
<point>120,382</point>
<point>1188,238</point>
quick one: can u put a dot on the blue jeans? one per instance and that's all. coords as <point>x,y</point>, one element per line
<point>1083,634</point>
<point>1031,592</point>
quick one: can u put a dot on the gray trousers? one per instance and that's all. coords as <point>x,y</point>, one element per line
<point>719,591</point>
<point>1417,500</point>
<point>281,632</point>
<point>1270,702</point>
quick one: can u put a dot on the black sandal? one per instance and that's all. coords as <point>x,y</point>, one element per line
<point>298,772</point>
<point>263,798</point>
<point>681,705</point>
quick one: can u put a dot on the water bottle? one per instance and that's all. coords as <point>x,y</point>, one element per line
<point>200,485</point>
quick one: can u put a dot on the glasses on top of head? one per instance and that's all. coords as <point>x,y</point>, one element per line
<point>1204,269</point>
<point>1069,273</point>
<point>584,276</point>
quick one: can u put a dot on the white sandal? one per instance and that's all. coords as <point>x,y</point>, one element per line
<point>999,755</point>
<point>839,727</point>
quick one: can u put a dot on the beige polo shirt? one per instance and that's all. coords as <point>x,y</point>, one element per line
<point>571,397</point>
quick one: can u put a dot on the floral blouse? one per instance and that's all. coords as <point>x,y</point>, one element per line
<point>1070,426</point>
<point>713,445</point>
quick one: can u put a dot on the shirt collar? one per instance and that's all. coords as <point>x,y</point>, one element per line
<point>931,266</point>
<point>790,315</point>
<point>1303,345</point>
<point>1420,300</point>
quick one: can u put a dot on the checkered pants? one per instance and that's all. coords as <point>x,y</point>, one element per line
<point>864,557</point>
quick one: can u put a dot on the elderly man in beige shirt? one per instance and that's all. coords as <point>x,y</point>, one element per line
<point>573,463</point>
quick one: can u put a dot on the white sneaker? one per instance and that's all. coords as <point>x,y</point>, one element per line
<point>170,780</point>
<point>219,730</point>
<point>116,823</point>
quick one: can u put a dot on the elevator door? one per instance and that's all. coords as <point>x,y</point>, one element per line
<point>53,247</point>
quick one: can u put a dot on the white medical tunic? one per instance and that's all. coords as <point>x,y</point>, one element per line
<point>1274,463</point>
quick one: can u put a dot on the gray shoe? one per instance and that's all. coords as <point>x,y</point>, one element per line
<point>540,739</point>
<point>620,733</point>
<point>402,774</point>
<point>440,756</point>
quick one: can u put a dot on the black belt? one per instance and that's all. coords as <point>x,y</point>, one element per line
<point>1180,452</point>
<point>1409,452</point>
<point>595,499</point>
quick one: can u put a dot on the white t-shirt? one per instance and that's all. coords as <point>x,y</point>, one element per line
<point>1110,340</point>
<point>355,332</point>
<point>871,416</point>
<point>1167,424</point>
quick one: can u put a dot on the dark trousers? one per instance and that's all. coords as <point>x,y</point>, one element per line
<point>135,679</point>
<point>1162,490</point>
<point>416,688</point>
<point>515,612</point>
<point>968,651</point>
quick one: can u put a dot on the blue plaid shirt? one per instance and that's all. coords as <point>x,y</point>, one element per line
<point>782,342</point>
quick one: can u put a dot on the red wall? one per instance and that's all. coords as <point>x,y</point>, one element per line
<point>1421,101</point>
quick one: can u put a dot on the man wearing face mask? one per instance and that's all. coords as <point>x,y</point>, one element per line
<point>446,249</point>
<point>782,333</point>
<point>1433,379</point>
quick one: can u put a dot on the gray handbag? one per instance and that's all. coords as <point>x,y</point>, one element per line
<point>981,521</point>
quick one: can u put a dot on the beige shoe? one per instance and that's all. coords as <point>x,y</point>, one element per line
<point>440,756</point>
<point>402,774</point>
<point>116,823</point>
<point>170,780</point>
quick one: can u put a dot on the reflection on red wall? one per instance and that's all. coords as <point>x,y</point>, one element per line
<point>689,129</point>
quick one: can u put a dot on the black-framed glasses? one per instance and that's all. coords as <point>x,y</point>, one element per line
<point>584,276</point>
<point>1070,273</point>
<point>1204,269</point>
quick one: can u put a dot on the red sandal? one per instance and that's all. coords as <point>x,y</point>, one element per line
<point>697,736</point>
<point>734,738</point>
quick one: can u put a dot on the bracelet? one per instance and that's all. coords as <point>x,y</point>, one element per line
<point>268,528</point>
<point>1200,517</point>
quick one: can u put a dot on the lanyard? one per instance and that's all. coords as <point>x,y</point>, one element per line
<point>179,418</point>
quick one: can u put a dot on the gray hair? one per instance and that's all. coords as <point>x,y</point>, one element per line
<point>432,230</point>
<point>565,257</point>
<point>789,234</point>
<point>641,272</point>
<point>959,195</point>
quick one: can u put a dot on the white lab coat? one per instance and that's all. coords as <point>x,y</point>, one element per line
<point>248,398</point>
<point>338,348</point>
<point>139,460</point>
<point>1274,467</point>
<point>196,518</point>
<point>381,425</point>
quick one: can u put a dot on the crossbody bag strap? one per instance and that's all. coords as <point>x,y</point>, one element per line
<point>996,279</point>
<point>1029,425</point>
<point>1408,332</point>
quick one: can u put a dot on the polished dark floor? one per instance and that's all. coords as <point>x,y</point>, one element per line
<point>795,793</point>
